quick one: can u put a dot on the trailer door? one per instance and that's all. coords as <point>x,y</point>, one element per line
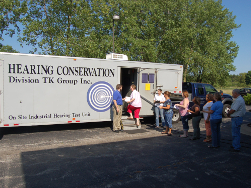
<point>147,89</point>
<point>169,80</point>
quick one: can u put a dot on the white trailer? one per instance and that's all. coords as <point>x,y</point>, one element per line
<point>43,89</point>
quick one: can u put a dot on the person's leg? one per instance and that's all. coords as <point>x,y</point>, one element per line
<point>236,126</point>
<point>157,111</point>
<point>218,132</point>
<point>198,127</point>
<point>194,127</point>
<point>129,110</point>
<point>136,114</point>
<point>169,120</point>
<point>208,132</point>
<point>186,126</point>
<point>115,119</point>
<point>161,111</point>
<point>184,120</point>
<point>119,118</point>
<point>214,132</point>
<point>166,124</point>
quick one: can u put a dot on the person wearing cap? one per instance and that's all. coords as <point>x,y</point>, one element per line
<point>238,110</point>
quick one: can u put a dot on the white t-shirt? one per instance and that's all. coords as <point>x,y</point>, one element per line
<point>205,108</point>
<point>160,98</point>
<point>137,102</point>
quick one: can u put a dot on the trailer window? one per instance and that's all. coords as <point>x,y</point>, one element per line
<point>147,78</point>
<point>151,78</point>
<point>144,77</point>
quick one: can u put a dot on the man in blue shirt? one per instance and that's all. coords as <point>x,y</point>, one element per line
<point>238,110</point>
<point>117,108</point>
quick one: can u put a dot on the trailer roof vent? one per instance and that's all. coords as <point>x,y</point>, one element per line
<point>117,56</point>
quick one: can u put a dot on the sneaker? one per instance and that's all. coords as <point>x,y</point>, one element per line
<point>116,131</point>
<point>207,140</point>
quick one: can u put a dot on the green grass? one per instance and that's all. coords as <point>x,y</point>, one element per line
<point>228,90</point>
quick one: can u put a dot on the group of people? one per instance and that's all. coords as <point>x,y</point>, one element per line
<point>212,112</point>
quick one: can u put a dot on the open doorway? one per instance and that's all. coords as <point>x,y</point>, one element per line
<point>128,77</point>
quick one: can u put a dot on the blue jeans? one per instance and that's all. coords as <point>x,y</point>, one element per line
<point>168,119</point>
<point>215,129</point>
<point>236,134</point>
<point>184,120</point>
<point>158,112</point>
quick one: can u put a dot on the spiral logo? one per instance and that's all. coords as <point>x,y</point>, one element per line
<point>99,96</point>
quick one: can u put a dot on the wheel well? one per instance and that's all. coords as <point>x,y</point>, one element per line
<point>228,102</point>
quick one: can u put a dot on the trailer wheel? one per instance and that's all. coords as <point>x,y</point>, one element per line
<point>226,109</point>
<point>176,116</point>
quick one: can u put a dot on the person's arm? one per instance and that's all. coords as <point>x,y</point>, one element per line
<point>186,102</point>
<point>163,100</point>
<point>116,105</point>
<point>209,112</point>
<point>230,112</point>
<point>167,107</point>
<point>132,98</point>
<point>211,109</point>
<point>196,110</point>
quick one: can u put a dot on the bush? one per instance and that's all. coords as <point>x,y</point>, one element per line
<point>247,99</point>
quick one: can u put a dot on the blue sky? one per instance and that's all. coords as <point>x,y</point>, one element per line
<point>240,8</point>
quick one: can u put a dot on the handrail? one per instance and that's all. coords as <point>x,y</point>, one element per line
<point>145,99</point>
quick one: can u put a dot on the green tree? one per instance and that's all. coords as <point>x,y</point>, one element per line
<point>194,33</point>
<point>55,26</point>
<point>241,80</point>
<point>10,11</point>
<point>198,36</point>
<point>7,48</point>
<point>248,78</point>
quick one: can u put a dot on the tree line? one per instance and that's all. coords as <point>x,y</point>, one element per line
<point>240,80</point>
<point>194,33</point>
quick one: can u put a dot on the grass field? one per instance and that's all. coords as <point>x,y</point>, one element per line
<point>228,90</point>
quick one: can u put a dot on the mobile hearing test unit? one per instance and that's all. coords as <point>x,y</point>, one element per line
<point>43,89</point>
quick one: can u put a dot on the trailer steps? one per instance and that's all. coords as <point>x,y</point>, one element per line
<point>129,124</point>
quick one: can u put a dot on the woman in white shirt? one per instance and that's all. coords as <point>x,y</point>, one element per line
<point>159,99</point>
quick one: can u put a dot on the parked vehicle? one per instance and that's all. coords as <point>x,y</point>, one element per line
<point>44,90</point>
<point>201,90</point>
<point>245,91</point>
